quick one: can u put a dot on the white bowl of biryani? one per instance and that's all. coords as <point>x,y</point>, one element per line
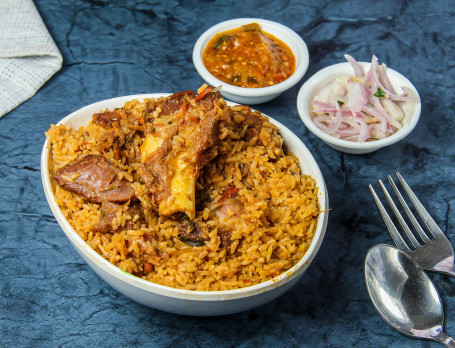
<point>185,253</point>
<point>253,60</point>
<point>359,107</point>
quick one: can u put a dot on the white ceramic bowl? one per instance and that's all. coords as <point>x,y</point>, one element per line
<point>320,79</point>
<point>187,302</point>
<point>245,95</point>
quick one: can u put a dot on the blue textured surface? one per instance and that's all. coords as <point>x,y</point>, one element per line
<point>50,297</point>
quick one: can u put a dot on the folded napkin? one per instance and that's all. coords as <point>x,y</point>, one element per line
<point>28,55</point>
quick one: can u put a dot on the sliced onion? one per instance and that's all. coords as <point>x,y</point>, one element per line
<point>319,122</point>
<point>359,130</point>
<point>347,132</point>
<point>322,104</point>
<point>358,71</point>
<point>385,79</point>
<point>372,70</point>
<point>358,96</point>
<point>383,122</point>
<point>352,121</point>
<point>328,108</point>
<point>379,108</point>
<point>347,121</point>
<point>333,112</point>
<point>375,132</point>
<point>407,91</point>
<point>379,113</point>
<point>323,118</point>
<point>359,115</point>
<point>377,83</point>
<point>364,131</point>
<point>391,94</point>
<point>334,122</point>
<point>354,138</point>
<point>406,96</point>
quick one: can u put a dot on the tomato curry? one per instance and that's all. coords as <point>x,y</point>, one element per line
<point>248,57</point>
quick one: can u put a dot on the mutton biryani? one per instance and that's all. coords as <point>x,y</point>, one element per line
<point>185,191</point>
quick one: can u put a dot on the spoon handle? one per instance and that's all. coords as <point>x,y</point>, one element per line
<point>444,339</point>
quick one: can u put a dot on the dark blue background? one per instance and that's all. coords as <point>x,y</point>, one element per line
<point>50,297</point>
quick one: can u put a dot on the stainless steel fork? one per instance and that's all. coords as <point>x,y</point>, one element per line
<point>433,252</point>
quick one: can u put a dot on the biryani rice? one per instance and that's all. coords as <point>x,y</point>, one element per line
<point>280,204</point>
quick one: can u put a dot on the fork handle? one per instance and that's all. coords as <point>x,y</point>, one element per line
<point>444,339</point>
<point>446,267</point>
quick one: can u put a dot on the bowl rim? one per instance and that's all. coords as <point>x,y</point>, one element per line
<point>310,87</point>
<point>197,295</point>
<point>291,35</point>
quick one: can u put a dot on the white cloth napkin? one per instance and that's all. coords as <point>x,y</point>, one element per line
<point>28,55</point>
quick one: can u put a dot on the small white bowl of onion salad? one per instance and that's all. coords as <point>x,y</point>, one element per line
<point>359,107</point>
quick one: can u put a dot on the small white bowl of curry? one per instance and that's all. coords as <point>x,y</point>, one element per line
<point>253,60</point>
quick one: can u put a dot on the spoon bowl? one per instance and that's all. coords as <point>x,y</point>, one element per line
<point>404,295</point>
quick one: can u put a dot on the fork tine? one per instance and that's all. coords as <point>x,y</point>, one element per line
<point>432,226</point>
<point>408,211</point>
<point>403,223</point>
<point>398,240</point>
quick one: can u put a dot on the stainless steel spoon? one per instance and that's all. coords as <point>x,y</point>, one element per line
<point>404,295</point>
